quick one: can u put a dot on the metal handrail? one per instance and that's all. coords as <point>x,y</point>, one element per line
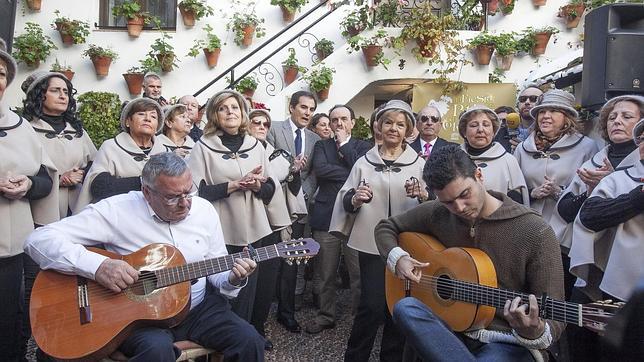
<point>231,69</point>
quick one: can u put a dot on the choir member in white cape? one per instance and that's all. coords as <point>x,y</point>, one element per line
<point>28,198</point>
<point>176,128</point>
<point>385,182</point>
<point>286,169</point>
<point>119,161</point>
<point>232,170</point>
<point>553,151</point>
<point>501,172</point>
<point>50,107</point>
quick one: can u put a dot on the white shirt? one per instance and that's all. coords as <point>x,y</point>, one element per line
<point>423,143</point>
<point>302,134</point>
<point>124,224</point>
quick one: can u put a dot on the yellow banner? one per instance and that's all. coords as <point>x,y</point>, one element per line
<point>491,95</point>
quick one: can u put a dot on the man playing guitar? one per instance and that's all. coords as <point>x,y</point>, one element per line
<point>521,245</point>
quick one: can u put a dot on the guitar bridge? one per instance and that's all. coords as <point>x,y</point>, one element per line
<point>84,309</point>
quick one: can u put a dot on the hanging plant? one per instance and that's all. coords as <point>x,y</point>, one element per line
<point>483,45</point>
<point>320,78</point>
<point>572,13</point>
<point>291,67</point>
<point>101,58</point>
<point>33,46</point>
<point>163,51</point>
<point>505,48</point>
<point>539,38</point>
<point>135,17</point>
<point>289,8</point>
<point>507,6</point>
<point>323,48</point>
<point>355,22</point>
<point>211,47</point>
<point>63,68</point>
<point>247,85</point>
<point>245,25</point>
<point>34,5</point>
<point>372,47</point>
<point>194,10</point>
<point>71,31</point>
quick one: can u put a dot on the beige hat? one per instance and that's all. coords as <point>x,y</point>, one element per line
<point>399,105</point>
<point>558,99</point>
<point>8,59</point>
<point>37,77</point>
<point>464,118</point>
<point>145,101</point>
<point>260,112</point>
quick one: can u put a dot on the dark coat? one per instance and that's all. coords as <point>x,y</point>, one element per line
<point>437,145</point>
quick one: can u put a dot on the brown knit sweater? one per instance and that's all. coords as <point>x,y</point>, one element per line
<point>520,243</point>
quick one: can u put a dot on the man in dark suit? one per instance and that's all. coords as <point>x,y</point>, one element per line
<point>293,136</point>
<point>332,161</point>
<point>429,124</point>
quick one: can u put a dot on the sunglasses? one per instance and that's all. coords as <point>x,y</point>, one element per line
<point>532,99</point>
<point>258,123</point>
<point>425,119</point>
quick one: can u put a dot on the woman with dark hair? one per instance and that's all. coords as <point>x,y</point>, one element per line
<point>50,107</point>
<point>176,128</point>
<point>28,198</point>
<point>120,160</point>
<point>232,171</point>
<point>321,125</point>
<point>553,151</point>
<point>386,181</point>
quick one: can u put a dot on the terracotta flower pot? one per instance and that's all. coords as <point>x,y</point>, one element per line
<point>134,83</point>
<point>542,40</point>
<point>212,57</point>
<point>188,17</point>
<point>370,53</point>
<point>566,12</point>
<point>321,55</point>
<point>166,61</point>
<point>102,65</point>
<point>353,31</point>
<point>484,53</point>
<point>426,49</point>
<point>34,5</point>
<point>135,26</point>
<point>249,32</point>
<point>287,15</point>
<point>538,2</point>
<point>290,73</point>
<point>66,38</point>
<point>504,62</point>
<point>249,93</point>
<point>68,74</point>
<point>323,94</point>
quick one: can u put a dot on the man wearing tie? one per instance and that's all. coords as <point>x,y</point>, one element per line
<point>293,136</point>
<point>429,124</point>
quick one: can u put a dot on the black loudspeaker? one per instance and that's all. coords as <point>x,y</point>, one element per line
<point>613,53</point>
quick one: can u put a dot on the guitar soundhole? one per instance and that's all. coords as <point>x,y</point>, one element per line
<point>444,287</point>
<point>146,284</point>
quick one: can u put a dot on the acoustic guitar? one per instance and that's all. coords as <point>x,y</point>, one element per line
<point>460,286</point>
<point>74,318</point>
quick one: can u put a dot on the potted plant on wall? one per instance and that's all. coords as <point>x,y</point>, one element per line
<point>245,25</point>
<point>323,48</point>
<point>355,22</point>
<point>290,67</point>
<point>194,10</point>
<point>507,6</point>
<point>247,85</point>
<point>320,78</point>
<point>134,76</point>
<point>33,46</point>
<point>64,69</point>
<point>540,38</point>
<point>505,46</point>
<point>34,5</point>
<point>211,47</point>
<point>572,13</point>
<point>289,8</point>
<point>136,18</point>
<point>71,31</point>
<point>483,46</point>
<point>539,2</point>
<point>163,51</point>
<point>101,58</point>
<point>372,47</point>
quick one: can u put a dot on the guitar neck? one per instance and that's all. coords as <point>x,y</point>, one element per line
<point>200,269</point>
<point>549,308</point>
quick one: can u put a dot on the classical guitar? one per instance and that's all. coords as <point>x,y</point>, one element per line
<point>460,286</point>
<point>74,318</point>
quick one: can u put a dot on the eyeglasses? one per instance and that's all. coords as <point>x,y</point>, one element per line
<point>532,99</point>
<point>173,201</point>
<point>425,119</point>
<point>259,123</point>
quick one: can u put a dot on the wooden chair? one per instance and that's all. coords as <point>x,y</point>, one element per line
<point>189,352</point>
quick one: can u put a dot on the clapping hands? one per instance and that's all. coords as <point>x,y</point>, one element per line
<point>253,180</point>
<point>592,177</point>
<point>547,188</point>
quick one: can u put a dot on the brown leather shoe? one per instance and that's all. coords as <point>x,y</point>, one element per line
<point>315,328</point>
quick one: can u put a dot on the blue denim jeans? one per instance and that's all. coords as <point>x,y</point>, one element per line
<point>433,340</point>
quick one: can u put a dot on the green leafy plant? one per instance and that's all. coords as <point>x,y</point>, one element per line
<point>388,13</point>
<point>198,7</point>
<point>291,61</point>
<point>100,112</point>
<point>468,14</point>
<point>290,5</point>
<point>361,129</point>
<point>246,84</point>
<point>211,43</point>
<point>324,46</point>
<point>131,9</point>
<point>163,51</point>
<point>507,6</point>
<point>96,51</point>
<point>78,30</point>
<point>57,67</point>
<point>33,46</point>
<point>496,76</point>
<point>380,39</point>
<point>484,38</point>
<point>506,44</point>
<point>319,77</point>
<point>242,19</point>
<point>356,21</point>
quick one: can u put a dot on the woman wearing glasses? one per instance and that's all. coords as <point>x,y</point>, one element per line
<point>176,129</point>
<point>501,171</point>
<point>120,160</point>
<point>553,151</point>
<point>232,170</point>
<point>382,183</point>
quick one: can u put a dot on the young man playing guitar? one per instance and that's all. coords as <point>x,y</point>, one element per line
<point>167,210</point>
<point>522,247</point>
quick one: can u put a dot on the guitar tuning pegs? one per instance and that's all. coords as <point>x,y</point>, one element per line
<point>289,262</point>
<point>297,261</point>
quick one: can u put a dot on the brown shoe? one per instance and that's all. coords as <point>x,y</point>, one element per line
<point>315,328</point>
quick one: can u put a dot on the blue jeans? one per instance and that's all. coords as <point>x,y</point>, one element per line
<point>433,340</point>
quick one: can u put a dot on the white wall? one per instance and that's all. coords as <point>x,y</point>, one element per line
<point>351,77</point>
